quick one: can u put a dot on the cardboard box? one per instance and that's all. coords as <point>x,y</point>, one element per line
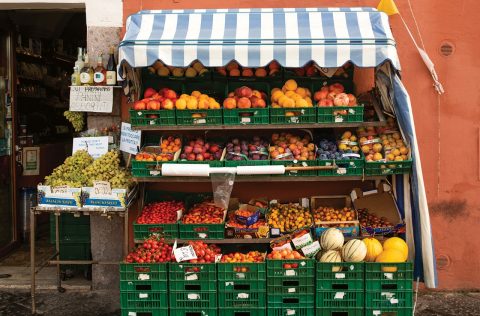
<point>63,196</point>
<point>381,203</point>
<point>303,202</point>
<point>247,232</point>
<point>337,202</point>
<point>118,198</point>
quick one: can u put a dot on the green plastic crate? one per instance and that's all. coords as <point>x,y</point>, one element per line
<point>245,285</point>
<point>192,299</point>
<point>340,114</point>
<point>144,312</point>
<point>255,271</point>
<point>199,117</point>
<point>194,312</point>
<point>278,300</point>
<point>378,276</point>
<point>75,251</point>
<point>340,298</point>
<point>143,272</point>
<point>289,287</point>
<point>292,163</point>
<point>193,272</point>
<point>345,167</point>
<point>340,276</point>
<point>143,231</point>
<point>241,299</point>
<point>291,310</point>
<point>305,269</point>
<point>201,231</point>
<point>143,299</point>
<point>211,163</point>
<point>389,299</point>
<point>148,169</point>
<point>72,229</point>
<point>252,311</point>
<point>162,117</point>
<point>305,115</point>
<point>343,311</point>
<point>252,116</point>
<point>139,286</point>
<point>389,311</point>
<point>379,168</point>
<point>236,163</point>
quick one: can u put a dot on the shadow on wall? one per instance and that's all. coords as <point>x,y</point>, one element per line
<point>449,209</point>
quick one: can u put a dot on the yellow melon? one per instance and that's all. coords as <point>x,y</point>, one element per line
<point>398,244</point>
<point>374,248</point>
<point>390,256</point>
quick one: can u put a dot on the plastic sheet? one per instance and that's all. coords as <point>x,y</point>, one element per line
<point>185,170</point>
<point>258,170</point>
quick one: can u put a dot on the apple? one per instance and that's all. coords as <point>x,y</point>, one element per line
<point>149,92</point>
<point>139,105</point>
<point>153,105</point>
<point>170,94</point>
<point>167,104</point>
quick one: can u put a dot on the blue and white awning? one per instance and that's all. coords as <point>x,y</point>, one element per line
<point>254,37</point>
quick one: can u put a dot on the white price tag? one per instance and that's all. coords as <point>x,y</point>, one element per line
<point>242,296</point>
<point>304,164</point>
<point>294,119</point>
<point>393,301</point>
<point>240,275</point>
<point>292,290</point>
<point>154,172</point>
<point>132,313</point>
<point>200,121</point>
<point>341,170</point>
<point>388,276</point>
<point>275,232</point>
<point>376,313</point>
<point>193,296</point>
<point>245,120</point>
<point>143,276</point>
<point>139,113</point>
<point>229,284</point>
<point>339,295</point>
<point>143,295</point>
<point>351,111</point>
<point>191,277</point>
<point>339,275</point>
<point>303,263</point>
<point>101,188</point>
<point>202,235</point>
<point>63,189</point>
<point>152,122</point>
<point>338,119</point>
<point>291,312</point>
<point>290,272</point>
<point>184,253</point>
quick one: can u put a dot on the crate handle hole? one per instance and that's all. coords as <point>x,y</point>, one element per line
<point>291,283</point>
<point>142,269</point>
<point>339,314</point>
<point>243,287</point>
<point>340,286</point>
<point>144,314</point>
<point>192,287</point>
<point>291,300</point>
<point>242,314</point>
<point>155,229</point>
<point>389,287</point>
<point>143,287</point>
<point>193,314</point>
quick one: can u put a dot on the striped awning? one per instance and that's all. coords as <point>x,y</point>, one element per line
<point>254,37</point>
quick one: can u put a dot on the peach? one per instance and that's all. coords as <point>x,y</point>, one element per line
<point>203,104</point>
<point>260,104</point>
<point>149,92</point>
<point>214,105</point>
<point>229,103</point>
<point>196,93</point>
<point>288,103</point>
<point>291,85</point>
<point>153,105</point>
<point>192,103</point>
<point>247,72</point>
<point>337,88</point>
<point>232,65</point>
<point>276,95</point>
<point>234,73</point>
<point>260,72</point>
<point>301,103</point>
<point>352,100</point>
<point>256,93</point>
<point>321,94</point>
<point>244,92</point>
<point>139,105</point>
<point>167,104</point>
<point>244,103</point>
<point>301,92</point>
<point>341,100</point>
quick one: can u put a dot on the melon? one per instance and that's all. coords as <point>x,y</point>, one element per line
<point>330,256</point>
<point>331,239</point>
<point>374,248</point>
<point>354,251</point>
<point>390,256</point>
<point>398,244</point>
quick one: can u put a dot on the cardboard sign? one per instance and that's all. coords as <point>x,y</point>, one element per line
<point>91,99</point>
<point>184,253</point>
<point>129,139</point>
<point>96,146</point>
<point>101,188</point>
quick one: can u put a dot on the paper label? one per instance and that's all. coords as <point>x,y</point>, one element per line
<point>294,119</point>
<point>339,295</point>
<point>101,188</point>
<point>290,272</point>
<point>292,290</point>
<point>393,301</point>
<point>351,111</point>
<point>132,313</point>
<point>143,276</point>
<point>245,120</point>
<point>287,246</point>
<point>312,249</point>
<point>184,253</point>
<point>388,276</point>
<point>191,277</point>
<point>339,275</point>
<point>193,296</point>
<point>377,313</point>
<point>301,241</point>
<point>130,140</point>
<point>200,121</point>
<point>63,189</point>
<point>96,146</point>
<point>341,170</point>
<point>202,235</point>
<point>154,172</point>
<point>291,312</point>
<point>152,122</point>
<point>91,99</point>
<point>139,113</point>
<point>242,296</point>
<point>303,263</point>
<point>276,232</point>
<point>338,119</point>
<point>229,284</point>
<point>142,295</point>
<point>240,275</point>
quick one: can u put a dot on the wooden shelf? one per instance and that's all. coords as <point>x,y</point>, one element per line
<point>257,127</point>
<point>260,179</point>
<point>218,241</point>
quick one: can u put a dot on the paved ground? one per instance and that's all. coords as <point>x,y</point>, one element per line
<point>82,303</point>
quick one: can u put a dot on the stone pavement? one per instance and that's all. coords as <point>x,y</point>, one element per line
<point>106,303</point>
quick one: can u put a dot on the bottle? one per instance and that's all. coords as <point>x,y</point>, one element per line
<point>111,69</point>
<point>99,75</point>
<point>76,76</point>
<point>86,74</point>
<point>79,62</point>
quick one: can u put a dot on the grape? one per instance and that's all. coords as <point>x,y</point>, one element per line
<point>76,118</point>
<point>70,172</point>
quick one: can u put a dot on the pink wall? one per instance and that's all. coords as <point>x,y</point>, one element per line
<point>447,129</point>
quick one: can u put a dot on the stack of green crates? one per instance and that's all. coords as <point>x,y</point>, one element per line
<point>340,288</point>
<point>74,238</point>
<point>290,287</point>
<point>389,289</point>
<point>242,289</point>
<point>193,289</point>
<point>143,289</point>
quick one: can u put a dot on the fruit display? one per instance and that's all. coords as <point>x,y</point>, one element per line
<point>334,95</point>
<point>354,251</point>
<point>249,257</point>
<point>70,173</point>
<point>329,256</point>
<point>242,149</point>
<point>107,168</point>
<point>397,244</point>
<point>205,253</point>
<point>329,214</point>
<point>289,217</point>
<point>196,101</point>
<point>164,99</point>
<point>368,219</point>
<point>204,213</point>
<point>291,96</point>
<point>286,254</point>
<point>310,70</point>
<point>245,98</point>
<point>331,239</point>
<point>76,118</point>
<point>160,213</point>
<point>371,147</point>
<point>196,69</point>
<point>168,147</point>
<point>152,250</point>
<point>200,150</point>
<point>374,248</point>
<point>286,146</point>
<point>345,148</point>
<point>233,69</point>
<point>394,147</point>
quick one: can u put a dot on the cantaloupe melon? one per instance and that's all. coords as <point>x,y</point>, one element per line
<point>354,251</point>
<point>331,239</point>
<point>390,256</point>
<point>398,244</point>
<point>374,248</point>
<point>329,256</point>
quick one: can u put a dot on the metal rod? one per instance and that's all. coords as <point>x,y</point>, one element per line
<point>32,260</point>
<point>80,262</point>
<point>57,248</point>
<point>125,234</point>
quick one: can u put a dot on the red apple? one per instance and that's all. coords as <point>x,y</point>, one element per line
<point>149,92</point>
<point>139,105</point>
<point>170,94</point>
<point>153,105</point>
<point>245,92</point>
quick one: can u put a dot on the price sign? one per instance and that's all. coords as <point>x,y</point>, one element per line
<point>101,188</point>
<point>130,139</point>
<point>91,99</point>
<point>184,253</point>
<point>63,189</point>
<point>96,146</point>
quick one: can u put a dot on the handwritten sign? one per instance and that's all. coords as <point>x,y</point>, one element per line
<point>129,139</point>
<point>101,188</point>
<point>184,253</point>
<point>91,99</point>
<point>96,146</point>
<point>63,189</point>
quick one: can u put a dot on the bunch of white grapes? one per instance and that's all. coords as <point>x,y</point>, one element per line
<point>107,168</point>
<point>76,118</point>
<point>70,172</point>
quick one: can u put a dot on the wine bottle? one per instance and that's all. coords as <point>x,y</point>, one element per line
<point>99,75</point>
<point>111,69</point>
<point>86,74</point>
